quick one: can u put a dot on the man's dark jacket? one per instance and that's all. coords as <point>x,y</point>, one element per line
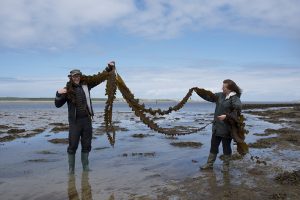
<point>87,83</point>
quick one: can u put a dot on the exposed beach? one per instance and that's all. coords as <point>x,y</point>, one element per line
<point>271,171</point>
<point>144,164</point>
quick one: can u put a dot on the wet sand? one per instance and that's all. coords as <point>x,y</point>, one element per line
<point>270,171</point>
<point>147,165</point>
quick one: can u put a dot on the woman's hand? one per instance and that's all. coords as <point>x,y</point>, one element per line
<point>221,117</point>
<point>62,91</point>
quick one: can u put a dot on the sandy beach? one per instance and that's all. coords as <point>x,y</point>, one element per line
<point>144,164</point>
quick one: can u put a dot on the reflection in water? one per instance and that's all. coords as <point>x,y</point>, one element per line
<point>212,179</point>
<point>86,190</point>
<point>226,180</point>
<point>227,191</point>
<point>72,192</point>
<point>112,197</point>
<point>217,186</point>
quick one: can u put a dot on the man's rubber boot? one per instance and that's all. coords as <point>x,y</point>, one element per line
<point>226,163</point>
<point>71,159</point>
<point>210,162</point>
<point>85,161</point>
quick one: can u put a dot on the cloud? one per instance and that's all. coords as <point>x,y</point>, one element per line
<point>279,83</point>
<point>28,80</point>
<point>8,79</point>
<point>258,83</point>
<point>54,24</point>
<point>30,86</point>
<point>165,19</point>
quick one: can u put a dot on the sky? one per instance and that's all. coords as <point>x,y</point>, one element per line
<point>161,48</point>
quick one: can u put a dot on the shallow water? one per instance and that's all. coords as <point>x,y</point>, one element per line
<point>151,162</point>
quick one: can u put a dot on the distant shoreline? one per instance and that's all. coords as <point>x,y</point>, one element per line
<point>21,99</point>
<point>246,104</point>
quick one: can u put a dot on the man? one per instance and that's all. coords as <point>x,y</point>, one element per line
<point>80,111</point>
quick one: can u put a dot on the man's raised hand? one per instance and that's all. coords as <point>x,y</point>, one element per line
<point>110,66</point>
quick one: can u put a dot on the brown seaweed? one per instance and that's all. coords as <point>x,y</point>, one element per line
<point>187,144</point>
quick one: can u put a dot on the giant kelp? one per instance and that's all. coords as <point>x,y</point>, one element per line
<point>110,91</point>
<point>147,115</point>
<point>141,112</point>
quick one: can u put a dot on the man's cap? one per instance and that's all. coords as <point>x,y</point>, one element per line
<point>75,72</point>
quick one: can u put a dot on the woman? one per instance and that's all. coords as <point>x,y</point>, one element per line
<point>228,106</point>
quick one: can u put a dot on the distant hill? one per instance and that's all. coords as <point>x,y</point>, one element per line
<point>24,99</point>
<point>93,99</point>
<point>38,99</point>
<point>245,103</point>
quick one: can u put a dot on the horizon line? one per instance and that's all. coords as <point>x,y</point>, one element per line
<point>122,99</point>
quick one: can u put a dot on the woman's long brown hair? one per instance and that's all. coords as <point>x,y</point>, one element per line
<point>231,85</point>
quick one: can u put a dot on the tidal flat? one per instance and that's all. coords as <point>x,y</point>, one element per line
<point>144,164</point>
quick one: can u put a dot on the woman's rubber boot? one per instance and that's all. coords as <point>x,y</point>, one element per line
<point>210,162</point>
<point>226,163</point>
<point>85,161</point>
<point>71,159</point>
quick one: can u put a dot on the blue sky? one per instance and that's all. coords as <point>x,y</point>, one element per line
<point>161,48</point>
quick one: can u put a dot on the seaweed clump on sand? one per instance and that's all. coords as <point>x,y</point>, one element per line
<point>290,135</point>
<point>187,144</point>
<point>7,138</point>
<point>15,133</point>
<point>59,141</point>
<point>15,130</point>
<point>4,127</point>
<point>267,132</point>
<point>57,124</point>
<point>58,129</point>
<point>147,154</point>
<point>278,196</point>
<point>12,134</point>
<point>286,137</point>
<point>264,143</point>
<point>141,135</point>
<point>134,154</point>
<point>42,160</point>
<point>288,178</point>
<point>102,129</point>
<point>234,156</point>
<point>45,152</point>
<point>38,130</point>
<point>101,148</point>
